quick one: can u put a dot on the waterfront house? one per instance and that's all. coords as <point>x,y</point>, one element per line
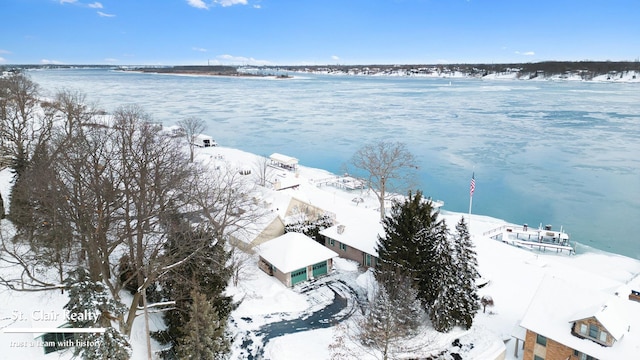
<point>356,238</point>
<point>202,140</point>
<point>568,322</point>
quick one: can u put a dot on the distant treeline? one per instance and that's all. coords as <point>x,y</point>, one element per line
<point>547,67</point>
<point>555,67</point>
<point>191,69</point>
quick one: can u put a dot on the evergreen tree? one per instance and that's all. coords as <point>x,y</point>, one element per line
<point>444,304</point>
<point>91,306</point>
<point>394,313</point>
<point>205,337</point>
<point>311,228</point>
<point>400,250</point>
<point>206,271</point>
<point>467,274</point>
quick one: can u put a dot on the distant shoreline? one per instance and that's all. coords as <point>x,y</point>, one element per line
<point>192,70</point>
<point>606,71</point>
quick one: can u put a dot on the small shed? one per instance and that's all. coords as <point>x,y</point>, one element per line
<point>294,258</point>
<point>202,140</point>
<point>283,161</point>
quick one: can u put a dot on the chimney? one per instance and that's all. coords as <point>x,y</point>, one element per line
<point>634,296</point>
<point>340,229</point>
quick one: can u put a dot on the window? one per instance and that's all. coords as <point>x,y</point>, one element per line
<point>593,331</point>
<point>367,259</point>
<point>536,357</point>
<point>541,340</point>
<point>583,329</point>
<point>332,242</point>
<point>582,356</point>
<point>343,247</point>
<point>603,336</point>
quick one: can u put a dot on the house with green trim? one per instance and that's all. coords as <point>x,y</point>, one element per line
<point>294,258</point>
<point>356,238</point>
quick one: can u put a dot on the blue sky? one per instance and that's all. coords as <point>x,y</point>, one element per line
<point>316,32</point>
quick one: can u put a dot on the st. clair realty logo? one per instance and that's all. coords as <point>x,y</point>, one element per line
<point>42,315</point>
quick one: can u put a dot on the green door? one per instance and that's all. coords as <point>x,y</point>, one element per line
<point>298,276</point>
<point>320,268</point>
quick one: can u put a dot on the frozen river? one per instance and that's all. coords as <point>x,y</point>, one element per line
<point>553,152</point>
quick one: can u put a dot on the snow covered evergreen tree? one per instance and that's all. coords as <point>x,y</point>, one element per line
<point>205,336</point>
<point>400,250</point>
<point>206,271</point>
<point>90,305</point>
<point>311,228</point>
<point>443,270</point>
<point>466,275</point>
<point>394,314</point>
<point>445,305</point>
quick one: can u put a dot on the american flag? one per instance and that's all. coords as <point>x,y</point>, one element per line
<point>472,187</point>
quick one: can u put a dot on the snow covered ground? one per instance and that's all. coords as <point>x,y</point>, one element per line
<point>514,274</point>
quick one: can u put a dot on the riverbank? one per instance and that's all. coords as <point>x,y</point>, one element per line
<point>513,276</point>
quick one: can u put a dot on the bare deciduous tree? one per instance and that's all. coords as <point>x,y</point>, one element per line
<point>264,172</point>
<point>388,166</point>
<point>73,109</point>
<point>24,129</point>
<point>226,199</point>
<point>192,127</point>
<point>99,193</point>
<point>241,263</point>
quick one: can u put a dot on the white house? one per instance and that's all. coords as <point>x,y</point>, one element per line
<point>202,140</point>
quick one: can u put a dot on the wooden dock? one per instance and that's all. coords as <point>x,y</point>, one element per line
<point>537,239</point>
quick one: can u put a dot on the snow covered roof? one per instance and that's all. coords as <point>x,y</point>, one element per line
<point>558,303</point>
<point>293,251</point>
<point>612,315</point>
<point>203,137</point>
<point>284,159</point>
<point>360,231</point>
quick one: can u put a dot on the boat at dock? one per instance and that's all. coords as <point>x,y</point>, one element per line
<point>542,238</point>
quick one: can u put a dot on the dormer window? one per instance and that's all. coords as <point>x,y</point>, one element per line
<point>603,336</point>
<point>593,332</point>
<point>596,334</point>
<point>591,329</point>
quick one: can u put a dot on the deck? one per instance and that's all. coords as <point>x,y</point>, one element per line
<point>538,239</point>
<point>342,182</point>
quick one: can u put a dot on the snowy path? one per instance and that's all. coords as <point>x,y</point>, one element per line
<point>343,301</point>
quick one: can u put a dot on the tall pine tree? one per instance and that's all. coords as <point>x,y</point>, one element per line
<point>400,250</point>
<point>466,275</point>
<point>443,304</point>
<point>206,271</point>
<point>204,337</point>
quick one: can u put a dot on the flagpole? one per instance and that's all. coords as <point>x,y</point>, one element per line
<point>472,188</point>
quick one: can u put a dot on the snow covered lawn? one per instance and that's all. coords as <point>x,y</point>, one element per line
<point>514,275</point>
